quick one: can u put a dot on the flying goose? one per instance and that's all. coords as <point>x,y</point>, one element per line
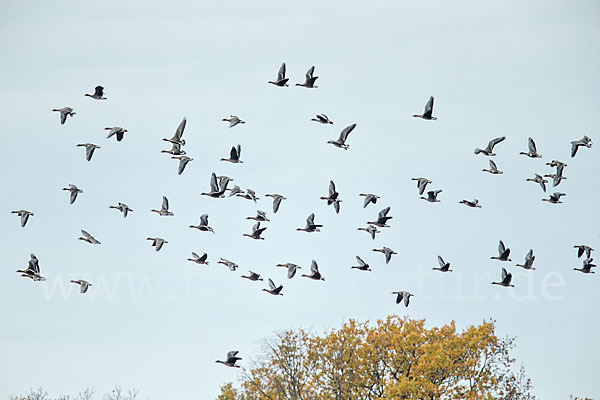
<point>554,198</point>
<point>157,243</point>
<point>322,118</point>
<point>183,161</point>
<point>233,121</point>
<point>33,269</point>
<point>235,190</point>
<point>421,184</point>
<point>341,141</point>
<point>291,269</point>
<point>469,203</point>
<point>88,238</point>
<point>584,141</point>
<point>403,295</point>
<point>382,218</point>
<point>489,150</point>
<point>281,79</point>
<point>64,113</point>
<point>529,259</point>
<point>369,198</point>
<point>310,225</point>
<point>276,201</point>
<point>388,253</point>
<point>116,130</point>
<point>333,197</point>
<point>124,208</point>
<point>444,266</point>
<point>229,264</point>
<point>203,225</point>
<point>231,359</point>
<point>177,136</point>
<point>98,93</point>
<point>175,150</point>
<point>164,208</point>
<point>586,268</point>
<point>256,232</point>
<point>314,272</point>
<point>24,214</point>
<point>217,190</point>
<point>363,266</point>
<point>556,163</point>
<point>309,81</point>
<point>493,168</point>
<point>74,192</point>
<point>532,153</point>
<point>506,278</point>
<point>556,178</point>
<point>199,259</point>
<point>432,196</point>
<point>428,111</point>
<point>253,276</point>
<point>260,216</point>
<point>503,253</point>
<point>83,285</point>
<point>583,248</point>
<point>89,149</point>
<point>234,155</point>
<point>371,230</point>
<point>248,195</point>
<point>538,179</point>
<point>274,290</point>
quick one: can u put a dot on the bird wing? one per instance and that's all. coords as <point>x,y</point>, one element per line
<point>165,203</point>
<point>309,73</point>
<point>87,235</point>
<point>291,271</point>
<point>63,116</point>
<point>271,284</point>
<point>495,141</point>
<point>345,132</point>
<point>531,145</point>
<point>314,268</point>
<point>501,247</point>
<point>441,261</point>
<point>360,261</point>
<point>504,274</point>
<point>98,91</point>
<point>72,197</point>
<point>407,295</point>
<point>89,151</point>
<point>276,203</point>
<point>429,107</point>
<point>331,188</point>
<point>256,227</point>
<point>529,255</point>
<point>239,151</point>
<point>214,187</point>
<point>493,165</point>
<point>179,132</point>
<point>232,354</point>
<point>204,219</point>
<point>196,256</point>
<point>336,206</point>
<point>233,153</point>
<point>311,219</point>
<point>281,73</point>
<point>383,212</point>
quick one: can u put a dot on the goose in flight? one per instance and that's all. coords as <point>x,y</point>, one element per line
<point>369,198</point>
<point>506,278</point>
<point>363,266</point>
<point>314,272</point>
<point>229,264</point>
<point>86,237</point>
<point>124,208</point>
<point>323,119</point>
<point>64,113</point>
<point>371,230</point>
<point>503,253</point>
<point>249,195</point>
<point>309,81</point>
<point>233,121</point>
<point>489,150</point>
<point>556,163</point>
<point>74,192</point>
<point>586,268</point>
<point>183,161</point>
<point>83,285</point>
<point>532,153</point>
<point>427,114</point>
<point>403,295</point>
<point>175,150</point>
<point>341,141</point>
<point>217,190</point>
<point>89,149</point>
<point>164,208</point>
<point>24,214</point>
<point>493,168</point>
<point>98,93</point>
<point>432,196</point>
<point>203,225</point>
<point>260,216</point>
<point>540,180</point>
<point>554,198</point>
<point>382,218</point>
<point>556,178</point>
<point>583,248</point>
<point>235,190</point>
<point>253,276</point>
<point>234,155</point>
<point>444,266</point>
<point>177,136</point>
<point>157,243</point>
<point>310,225</point>
<point>576,144</point>
<point>256,232</point>
<point>529,259</point>
<point>333,197</point>
<point>277,198</point>
<point>421,184</point>
<point>199,259</point>
<point>469,203</point>
<point>274,290</point>
<point>388,253</point>
<point>291,269</point>
<point>231,359</point>
<point>33,269</point>
<point>116,130</point>
<point>281,79</point>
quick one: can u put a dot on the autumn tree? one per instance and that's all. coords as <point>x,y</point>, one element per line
<point>395,358</point>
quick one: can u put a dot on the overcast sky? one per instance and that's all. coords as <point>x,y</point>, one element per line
<point>157,322</point>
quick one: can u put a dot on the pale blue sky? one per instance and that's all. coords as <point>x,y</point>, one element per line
<point>157,322</point>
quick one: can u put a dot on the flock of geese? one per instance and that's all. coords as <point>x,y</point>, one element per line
<point>219,188</point>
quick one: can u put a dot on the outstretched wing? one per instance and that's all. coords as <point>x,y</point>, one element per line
<point>495,141</point>
<point>310,72</point>
<point>99,91</point>
<point>314,268</point>
<point>214,187</point>
<point>360,261</point>
<point>429,108</point>
<point>204,219</point>
<point>311,219</point>
<point>271,284</point>
<point>331,188</point>
<point>531,145</point>
<point>346,131</point>
<point>441,261</point>
<point>501,247</point>
<point>281,73</point>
